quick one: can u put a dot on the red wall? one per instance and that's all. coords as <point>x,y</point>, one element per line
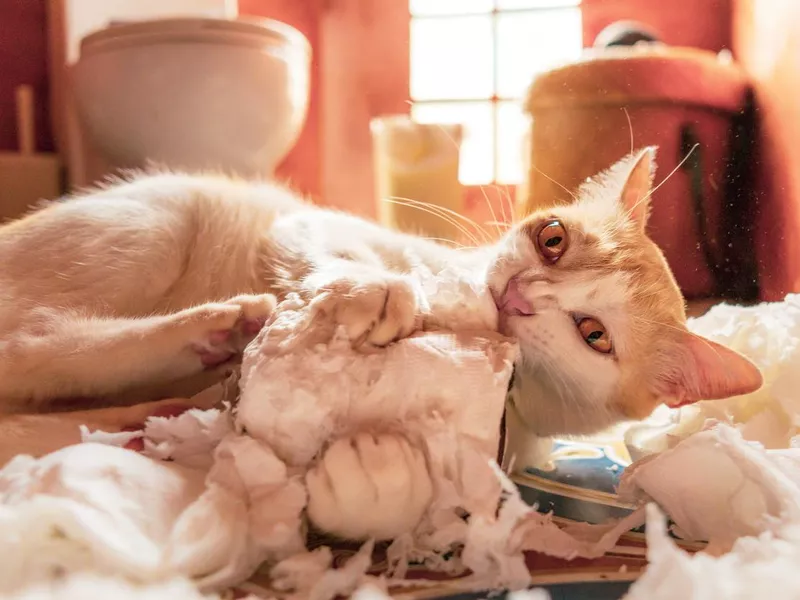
<point>23,60</point>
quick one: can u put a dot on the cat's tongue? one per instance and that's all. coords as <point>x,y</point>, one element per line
<point>512,302</point>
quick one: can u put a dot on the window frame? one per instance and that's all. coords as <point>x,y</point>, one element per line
<point>495,99</point>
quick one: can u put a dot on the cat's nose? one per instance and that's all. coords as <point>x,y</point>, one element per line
<point>512,302</point>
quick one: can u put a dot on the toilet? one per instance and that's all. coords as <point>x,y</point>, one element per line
<point>190,94</point>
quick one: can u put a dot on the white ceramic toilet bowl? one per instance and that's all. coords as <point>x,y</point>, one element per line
<point>193,94</point>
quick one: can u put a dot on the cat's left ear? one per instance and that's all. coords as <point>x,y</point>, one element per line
<point>635,195</point>
<point>695,368</point>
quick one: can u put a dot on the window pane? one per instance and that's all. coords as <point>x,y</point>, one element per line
<point>451,58</point>
<point>529,43</point>
<point>512,4</point>
<point>449,7</point>
<point>512,126</point>
<point>477,156</point>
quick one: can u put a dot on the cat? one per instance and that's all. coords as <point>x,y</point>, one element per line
<point>154,281</point>
<point>152,286</point>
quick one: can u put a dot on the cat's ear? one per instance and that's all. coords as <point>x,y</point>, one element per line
<point>635,194</point>
<point>696,368</point>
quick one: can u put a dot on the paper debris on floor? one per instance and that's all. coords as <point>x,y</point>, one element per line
<point>216,493</point>
<point>727,472</point>
<point>763,566</point>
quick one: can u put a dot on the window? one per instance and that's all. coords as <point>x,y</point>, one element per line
<point>471,63</point>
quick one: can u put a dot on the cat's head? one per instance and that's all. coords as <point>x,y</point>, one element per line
<point>598,315</point>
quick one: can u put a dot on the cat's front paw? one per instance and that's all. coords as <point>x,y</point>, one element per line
<point>226,328</point>
<point>368,486</point>
<point>376,310</point>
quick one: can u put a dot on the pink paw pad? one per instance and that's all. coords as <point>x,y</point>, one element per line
<point>253,326</point>
<point>214,358</point>
<point>215,338</point>
<point>216,349</point>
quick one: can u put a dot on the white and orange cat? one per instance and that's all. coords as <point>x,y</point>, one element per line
<point>150,287</point>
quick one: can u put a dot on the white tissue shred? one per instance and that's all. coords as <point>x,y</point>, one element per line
<point>216,494</point>
<point>113,511</point>
<point>94,587</point>
<point>756,567</point>
<point>717,487</point>
<point>769,335</point>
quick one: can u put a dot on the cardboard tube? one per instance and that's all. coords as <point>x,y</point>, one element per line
<point>26,129</point>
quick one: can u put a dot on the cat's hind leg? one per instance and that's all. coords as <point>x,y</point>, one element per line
<point>57,355</point>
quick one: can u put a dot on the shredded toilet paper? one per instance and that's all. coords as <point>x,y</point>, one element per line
<point>216,493</point>
<point>90,587</point>
<point>769,335</point>
<point>727,472</point>
<point>763,566</point>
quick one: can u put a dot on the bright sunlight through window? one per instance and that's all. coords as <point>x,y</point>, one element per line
<point>471,63</point>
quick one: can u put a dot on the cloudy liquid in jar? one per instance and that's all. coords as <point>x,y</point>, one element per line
<point>417,164</point>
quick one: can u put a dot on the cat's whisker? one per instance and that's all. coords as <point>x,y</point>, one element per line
<point>667,325</point>
<point>657,323</point>
<point>630,125</point>
<point>503,214</point>
<point>449,242</point>
<point>489,205</point>
<point>554,182</point>
<point>647,196</point>
<point>508,202</point>
<point>681,330</point>
<point>446,215</point>
<point>451,213</point>
<point>504,224</point>
<point>458,226</point>
<point>429,209</point>
<point>457,146</point>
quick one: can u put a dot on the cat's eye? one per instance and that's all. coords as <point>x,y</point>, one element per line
<point>551,240</point>
<point>594,334</point>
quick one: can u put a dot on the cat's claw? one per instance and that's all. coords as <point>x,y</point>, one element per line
<point>374,311</point>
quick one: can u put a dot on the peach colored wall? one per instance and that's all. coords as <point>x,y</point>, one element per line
<point>365,73</point>
<point>697,23</point>
<point>766,42</point>
<point>302,167</point>
<point>360,70</point>
<point>23,60</point>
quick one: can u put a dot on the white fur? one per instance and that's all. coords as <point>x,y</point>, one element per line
<point>123,289</point>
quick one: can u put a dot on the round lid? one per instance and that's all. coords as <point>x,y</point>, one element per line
<point>247,31</point>
<point>639,74</point>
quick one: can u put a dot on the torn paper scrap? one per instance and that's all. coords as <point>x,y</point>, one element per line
<point>86,586</point>
<point>431,401</point>
<point>301,386</point>
<point>756,567</point>
<point>717,487</point>
<point>188,438</point>
<point>91,507</point>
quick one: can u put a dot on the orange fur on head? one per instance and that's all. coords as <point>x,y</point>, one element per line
<point>603,327</point>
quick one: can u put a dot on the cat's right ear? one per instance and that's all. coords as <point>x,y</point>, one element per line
<point>695,368</point>
<point>635,194</point>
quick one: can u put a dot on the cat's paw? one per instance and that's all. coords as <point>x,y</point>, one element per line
<point>224,329</point>
<point>369,486</point>
<point>376,310</point>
